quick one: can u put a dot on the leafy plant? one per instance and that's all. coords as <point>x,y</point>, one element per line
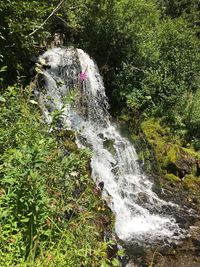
<point>49,212</point>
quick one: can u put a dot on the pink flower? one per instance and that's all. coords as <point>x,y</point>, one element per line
<point>83,76</point>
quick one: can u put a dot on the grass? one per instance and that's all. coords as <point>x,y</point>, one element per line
<point>49,213</point>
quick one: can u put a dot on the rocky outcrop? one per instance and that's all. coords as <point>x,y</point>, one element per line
<point>171,157</point>
<point>184,164</point>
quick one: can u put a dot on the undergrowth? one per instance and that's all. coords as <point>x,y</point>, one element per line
<point>49,213</point>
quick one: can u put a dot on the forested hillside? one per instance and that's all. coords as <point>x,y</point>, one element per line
<point>148,54</point>
<point>147,50</point>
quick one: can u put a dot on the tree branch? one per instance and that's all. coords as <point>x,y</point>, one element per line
<point>45,21</point>
<point>64,21</point>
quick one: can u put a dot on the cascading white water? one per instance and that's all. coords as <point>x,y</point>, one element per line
<point>140,213</point>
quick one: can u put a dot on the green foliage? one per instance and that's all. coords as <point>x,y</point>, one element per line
<point>176,8</point>
<point>191,182</point>
<point>27,29</point>
<point>49,212</point>
<point>148,54</point>
<point>193,119</point>
<point>171,157</point>
<point>150,61</point>
<point>172,178</point>
<point>159,138</point>
<point>17,20</point>
<point>169,72</point>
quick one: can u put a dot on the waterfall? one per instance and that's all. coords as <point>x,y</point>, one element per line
<point>141,216</point>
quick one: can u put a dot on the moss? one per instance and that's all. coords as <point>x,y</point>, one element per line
<point>123,117</point>
<point>66,134</point>
<point>70,145</point>
<point>159,138</point>
<point>172,178</point>
<point>172,153</point>
<point>191,182</point>
<point>67,138</point>
<point>192,153</point>
<point>154,131</point>
<point>171,157</point>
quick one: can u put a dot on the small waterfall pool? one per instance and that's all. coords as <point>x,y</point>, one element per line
<point>141,216</point>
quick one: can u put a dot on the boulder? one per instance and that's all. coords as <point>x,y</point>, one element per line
<point>182,166</point>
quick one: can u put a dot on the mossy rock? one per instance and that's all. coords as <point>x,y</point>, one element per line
<point>182,166</point>
<point>170,156</point>
<point>70,145</point>
<point>66,134</point>
<point>154,132</point>
<point>191,182</point>
<point>109,145</point>
<point>172,178</point>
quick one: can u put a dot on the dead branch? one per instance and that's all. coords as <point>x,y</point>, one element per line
<point>45,21</point>
<point>52,13</point>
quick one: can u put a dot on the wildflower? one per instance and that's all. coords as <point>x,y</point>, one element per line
<point>83,76</point>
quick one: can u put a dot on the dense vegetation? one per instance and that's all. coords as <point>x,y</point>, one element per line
<point>153,44</point>
<point>148,53</point>
<point>50,214</point>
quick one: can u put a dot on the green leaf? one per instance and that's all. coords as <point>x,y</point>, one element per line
<point>25,220</point>
<point>2,99</point>
<point>3,69</point>
<point>115,263</point>
<point>105,264</point>
<point>121,252</point>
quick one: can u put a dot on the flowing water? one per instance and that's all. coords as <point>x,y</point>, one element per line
<point>141,216</point>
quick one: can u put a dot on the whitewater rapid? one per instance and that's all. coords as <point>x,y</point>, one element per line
<point>141,216</point>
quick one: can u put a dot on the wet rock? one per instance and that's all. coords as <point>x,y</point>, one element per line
<point>198,167</point>
<point>84,141</point>
<point>143,198</point>
<point>182,166</point>
<point>131,264</point>
<point>100,135</point>
<point>109,145</point>
<point>101,185</point>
